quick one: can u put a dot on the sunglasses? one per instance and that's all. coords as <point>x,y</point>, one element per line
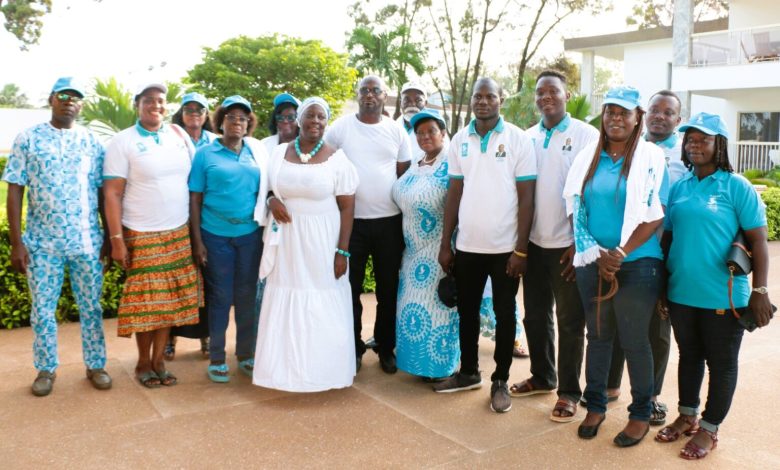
<point>235,118</point>
<point>197,112</point>
<point>285,118</point>
<point>376,91</point>
<point>64,97</point>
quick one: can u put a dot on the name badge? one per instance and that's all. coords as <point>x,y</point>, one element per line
<point>464,149</point>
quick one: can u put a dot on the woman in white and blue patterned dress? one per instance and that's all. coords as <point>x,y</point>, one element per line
<point>427,330</point>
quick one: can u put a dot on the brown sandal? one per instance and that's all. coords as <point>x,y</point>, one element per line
<point>693,451</point>
<point>671,434</point>
<point>566,409</point>
<point>526,388</point>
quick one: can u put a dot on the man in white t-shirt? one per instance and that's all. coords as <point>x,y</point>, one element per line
<point>663,117</point>
<point>549,279</point>
<point>492,172</point>
<point>380,151</point>
<point>413,100</point>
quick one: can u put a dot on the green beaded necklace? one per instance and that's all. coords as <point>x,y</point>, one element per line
<point>305,157</point>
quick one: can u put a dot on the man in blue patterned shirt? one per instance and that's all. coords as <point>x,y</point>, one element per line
<point>61,164</point>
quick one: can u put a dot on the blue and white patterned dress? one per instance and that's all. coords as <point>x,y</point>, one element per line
<point>427,331</point>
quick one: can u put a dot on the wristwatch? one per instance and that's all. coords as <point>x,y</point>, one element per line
<point>761,290</point>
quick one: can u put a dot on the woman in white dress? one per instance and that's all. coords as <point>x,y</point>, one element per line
<point>305,340</point>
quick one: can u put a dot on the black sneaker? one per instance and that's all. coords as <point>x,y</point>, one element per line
<point>500,401</point>
<point>459,382</point>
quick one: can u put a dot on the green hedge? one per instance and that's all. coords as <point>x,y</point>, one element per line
<point>771,197</point>
<point>15,305</point>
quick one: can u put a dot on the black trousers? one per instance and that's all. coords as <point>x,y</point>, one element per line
<point>383,240</point>
<point>660,341</point>
<point>471,274</point>
<point>543,287</point>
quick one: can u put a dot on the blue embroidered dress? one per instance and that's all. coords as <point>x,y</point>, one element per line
<point>427,331</point>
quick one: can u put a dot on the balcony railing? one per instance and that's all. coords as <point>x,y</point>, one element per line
<point>736,47</point>
<point>759,155</point>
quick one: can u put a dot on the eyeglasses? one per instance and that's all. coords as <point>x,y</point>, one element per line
<point>285,117</point>
<point>376,91</point>
<point>193,111</point>
<point>426,135</point>
<point>236,118</point>
<point>408,102</point>
<point>64,97</point>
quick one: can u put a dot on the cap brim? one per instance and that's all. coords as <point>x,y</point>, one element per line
<point>703,129</point>
<point>81,93</point>
<point>622,103</point>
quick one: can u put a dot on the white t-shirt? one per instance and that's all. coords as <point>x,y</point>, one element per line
<point>672,148</point>
<point>374,149</point>
<point>156,194</point>
<point>417,152</point>
<point>270,143</point>
<point>490,167</point>
<point>555,151</point>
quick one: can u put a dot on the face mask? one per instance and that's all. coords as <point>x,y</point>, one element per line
<point>409,112</point>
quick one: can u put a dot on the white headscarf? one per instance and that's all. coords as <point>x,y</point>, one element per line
<point>309,102</point>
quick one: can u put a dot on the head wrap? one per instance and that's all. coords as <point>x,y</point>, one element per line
<point>309,102</point>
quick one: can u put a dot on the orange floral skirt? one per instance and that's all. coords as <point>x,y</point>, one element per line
<point>163,284</point>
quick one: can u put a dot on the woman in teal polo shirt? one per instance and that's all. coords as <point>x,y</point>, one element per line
<point>706,210</point>
<point>224,185</point>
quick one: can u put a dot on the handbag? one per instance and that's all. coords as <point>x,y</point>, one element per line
<point>740,262</point>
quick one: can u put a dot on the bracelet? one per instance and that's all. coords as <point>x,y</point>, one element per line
<point>268,201</point>
<point>520,254</point>
<point>620,250</point>
<point>343,253</point>
<point>118,235</point>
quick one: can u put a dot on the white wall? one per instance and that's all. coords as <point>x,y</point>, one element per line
<point>747,102</point>
<point>749,13</point>
<point>717,106</point>
<point>14,121</point>
<point>645,66</point>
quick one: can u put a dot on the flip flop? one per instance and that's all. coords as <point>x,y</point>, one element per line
<point>148,379</point>
<point>526,388</point>
<point>247,366</point>
<point>167,379</point>
<point>564,406</point>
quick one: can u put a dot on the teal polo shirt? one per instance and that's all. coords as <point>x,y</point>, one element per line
<point>704,216</point>
<point>605,203</point>
<point>229,184</point>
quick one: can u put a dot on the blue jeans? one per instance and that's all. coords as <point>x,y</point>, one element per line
<point>231,277</point>
<point>627,313</point>
<point>703,335</point>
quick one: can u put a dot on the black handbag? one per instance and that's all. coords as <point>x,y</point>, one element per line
<point>448,294</point>
<point>739,259</point>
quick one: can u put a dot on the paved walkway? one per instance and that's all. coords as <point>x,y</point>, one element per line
<point>381,422</point>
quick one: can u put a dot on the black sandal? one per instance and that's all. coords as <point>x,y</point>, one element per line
<point>658,413</point>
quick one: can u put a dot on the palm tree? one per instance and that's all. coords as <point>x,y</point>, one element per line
<point>109,109</point>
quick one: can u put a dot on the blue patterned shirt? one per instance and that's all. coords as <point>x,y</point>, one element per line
<point>62,169</point>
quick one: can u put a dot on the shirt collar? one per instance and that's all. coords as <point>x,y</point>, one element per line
<point>719,175</point>
<point>668,142</point>
<point>560,127</point>
<point>146,133</point>
<point>498,128</point>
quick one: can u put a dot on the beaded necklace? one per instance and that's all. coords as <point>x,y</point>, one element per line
<point>305,157</point>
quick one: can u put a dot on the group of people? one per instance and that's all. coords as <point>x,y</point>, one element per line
<point>622,232</point>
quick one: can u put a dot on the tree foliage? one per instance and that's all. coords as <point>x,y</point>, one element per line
<point>384,46</point>
<point>654,13</point>
<point>12,97</point>
<point>109,109</point>
<point>259,68</point>
<point>23,19</point>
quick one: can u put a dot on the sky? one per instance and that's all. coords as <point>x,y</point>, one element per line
<point>142,40</point>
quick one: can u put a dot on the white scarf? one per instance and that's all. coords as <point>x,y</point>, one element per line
<point>642,202</point>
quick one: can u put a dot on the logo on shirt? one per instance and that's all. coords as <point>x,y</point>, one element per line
<point>501,153</point>
<point>567,146</point>
<point>712,203</point>
<point>141,147</point>
<point>464,149</point>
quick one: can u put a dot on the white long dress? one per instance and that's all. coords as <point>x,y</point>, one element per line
<point>305,339</point>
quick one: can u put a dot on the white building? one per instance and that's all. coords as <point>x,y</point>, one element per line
<point>13,121</point>
<point>729,67</point>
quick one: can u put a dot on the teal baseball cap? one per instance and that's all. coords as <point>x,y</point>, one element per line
<point>426,113</point>
<point>237,100</point>
<point>68,83</point>
<point>624,96</point>
<point>283,98</point>
<point>195,97</point>
<point>710,124</point>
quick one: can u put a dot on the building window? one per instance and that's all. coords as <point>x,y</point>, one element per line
<point>759,127</point>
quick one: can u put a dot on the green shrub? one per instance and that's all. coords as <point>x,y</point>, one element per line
<point>15,306</point>
<point>771,198</point>
<point>752,174</point>
<point>769,183</point>
<point>3,161</point>
<point>369,283</point>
